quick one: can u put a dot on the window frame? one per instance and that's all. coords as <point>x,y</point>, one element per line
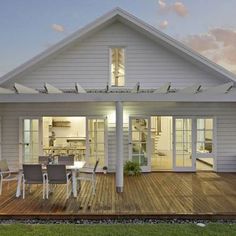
<point>213,153</point>
<point>110,61</point>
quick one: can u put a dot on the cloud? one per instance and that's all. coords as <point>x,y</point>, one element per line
<point>227,36</point>
<point>201,42</point>
<point>163,24</point>
<point>180,9</point>
<point>58,28</point>
<point>162,4</point>
<point>218,45</point>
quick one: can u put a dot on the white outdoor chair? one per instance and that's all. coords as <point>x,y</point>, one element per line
<point>6,175</point>
<point>33,174</point>
<point>89,174</point>
<point>56,174</point>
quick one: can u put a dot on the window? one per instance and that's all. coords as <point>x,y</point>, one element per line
<point>204,136</point>
<point>117,60</point>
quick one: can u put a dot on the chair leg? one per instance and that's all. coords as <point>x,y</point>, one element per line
<point>23,189</point>
<point>47,189</point>
<point>43,190</point>
<point>94,187</point>
<point>94,184</point>
<point>1,186</point>
<point>67,190</point>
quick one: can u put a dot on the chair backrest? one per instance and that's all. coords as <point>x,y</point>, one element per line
<point>33,173</point>
<point>56,174</point>
<point>66,160</point>
<point>95,167</point>
<point>4,167</point>
<point>44,160</point>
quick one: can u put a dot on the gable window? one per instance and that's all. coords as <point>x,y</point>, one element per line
<point>117,66</point>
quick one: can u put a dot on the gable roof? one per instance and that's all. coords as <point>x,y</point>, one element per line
<point>119,14</point>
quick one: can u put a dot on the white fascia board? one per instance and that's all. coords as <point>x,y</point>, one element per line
<point>51,89</point>
<point>190,89</point>
<point>21,89</point>
<point>112,97</point>
<point>223,88</point>
<point>79,88</point>
<point>163,89</point>
<point>6,91</point>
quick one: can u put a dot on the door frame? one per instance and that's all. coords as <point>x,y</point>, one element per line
<point>193,167</point>
<point>21,135</point>
<point>148,167</point>
<point>105,139</point>
<point>214,141</point>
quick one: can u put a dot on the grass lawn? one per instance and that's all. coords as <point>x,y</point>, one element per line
<point>103,230</point>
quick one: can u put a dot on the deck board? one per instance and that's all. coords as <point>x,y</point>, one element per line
<point>148,194</point>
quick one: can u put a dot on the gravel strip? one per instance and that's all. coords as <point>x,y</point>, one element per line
<point>117,221</point>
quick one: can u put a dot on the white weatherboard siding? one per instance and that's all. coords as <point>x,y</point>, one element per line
<point>87,63</point>
<point>11,113</point>
<point>225,114</point>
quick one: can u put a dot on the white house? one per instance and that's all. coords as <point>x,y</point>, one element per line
<point>118,90</point>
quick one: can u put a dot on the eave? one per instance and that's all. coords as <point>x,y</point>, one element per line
<point>113,97</point>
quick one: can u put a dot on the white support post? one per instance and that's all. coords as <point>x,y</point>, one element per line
<point>119,148</point>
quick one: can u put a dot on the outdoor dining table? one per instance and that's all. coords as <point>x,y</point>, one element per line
<point>74,169</point>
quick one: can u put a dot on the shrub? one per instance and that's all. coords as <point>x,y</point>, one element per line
<point>132,168</point>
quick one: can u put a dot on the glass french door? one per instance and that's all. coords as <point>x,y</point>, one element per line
<point>184,144</point>
<point>30,140</point>
<point>96,141</point>
<point>139,141</point>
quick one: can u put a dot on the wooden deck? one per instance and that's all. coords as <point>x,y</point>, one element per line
<point>149,194</point>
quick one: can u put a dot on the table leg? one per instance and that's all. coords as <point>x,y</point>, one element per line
<point>18,189</point>
<point>74,183</point>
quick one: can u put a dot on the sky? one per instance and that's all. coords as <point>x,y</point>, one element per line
<point>28,27</point>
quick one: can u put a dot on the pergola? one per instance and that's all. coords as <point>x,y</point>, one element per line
<point>194,93</point>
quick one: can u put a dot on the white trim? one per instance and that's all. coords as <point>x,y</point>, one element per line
<point>51,89</point>
<point>163,89</point>
<point>193,89</point>
<point>207,155</point>
<point>6,91</point>
<point>149,145</point>
<point>24,90</point>
<point>215,131</point>
<point>21,126</point>
<point>132,21</point>
<point>193,167</point>
<point>79,88</point>
<point>223,88</point>
<point>105,139</point>
<point>21,135</point>
<point>109,66</point>
<point>113,97</point>
<point>136,88</point>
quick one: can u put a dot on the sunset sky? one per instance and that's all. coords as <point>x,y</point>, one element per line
<point>29,27</point>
